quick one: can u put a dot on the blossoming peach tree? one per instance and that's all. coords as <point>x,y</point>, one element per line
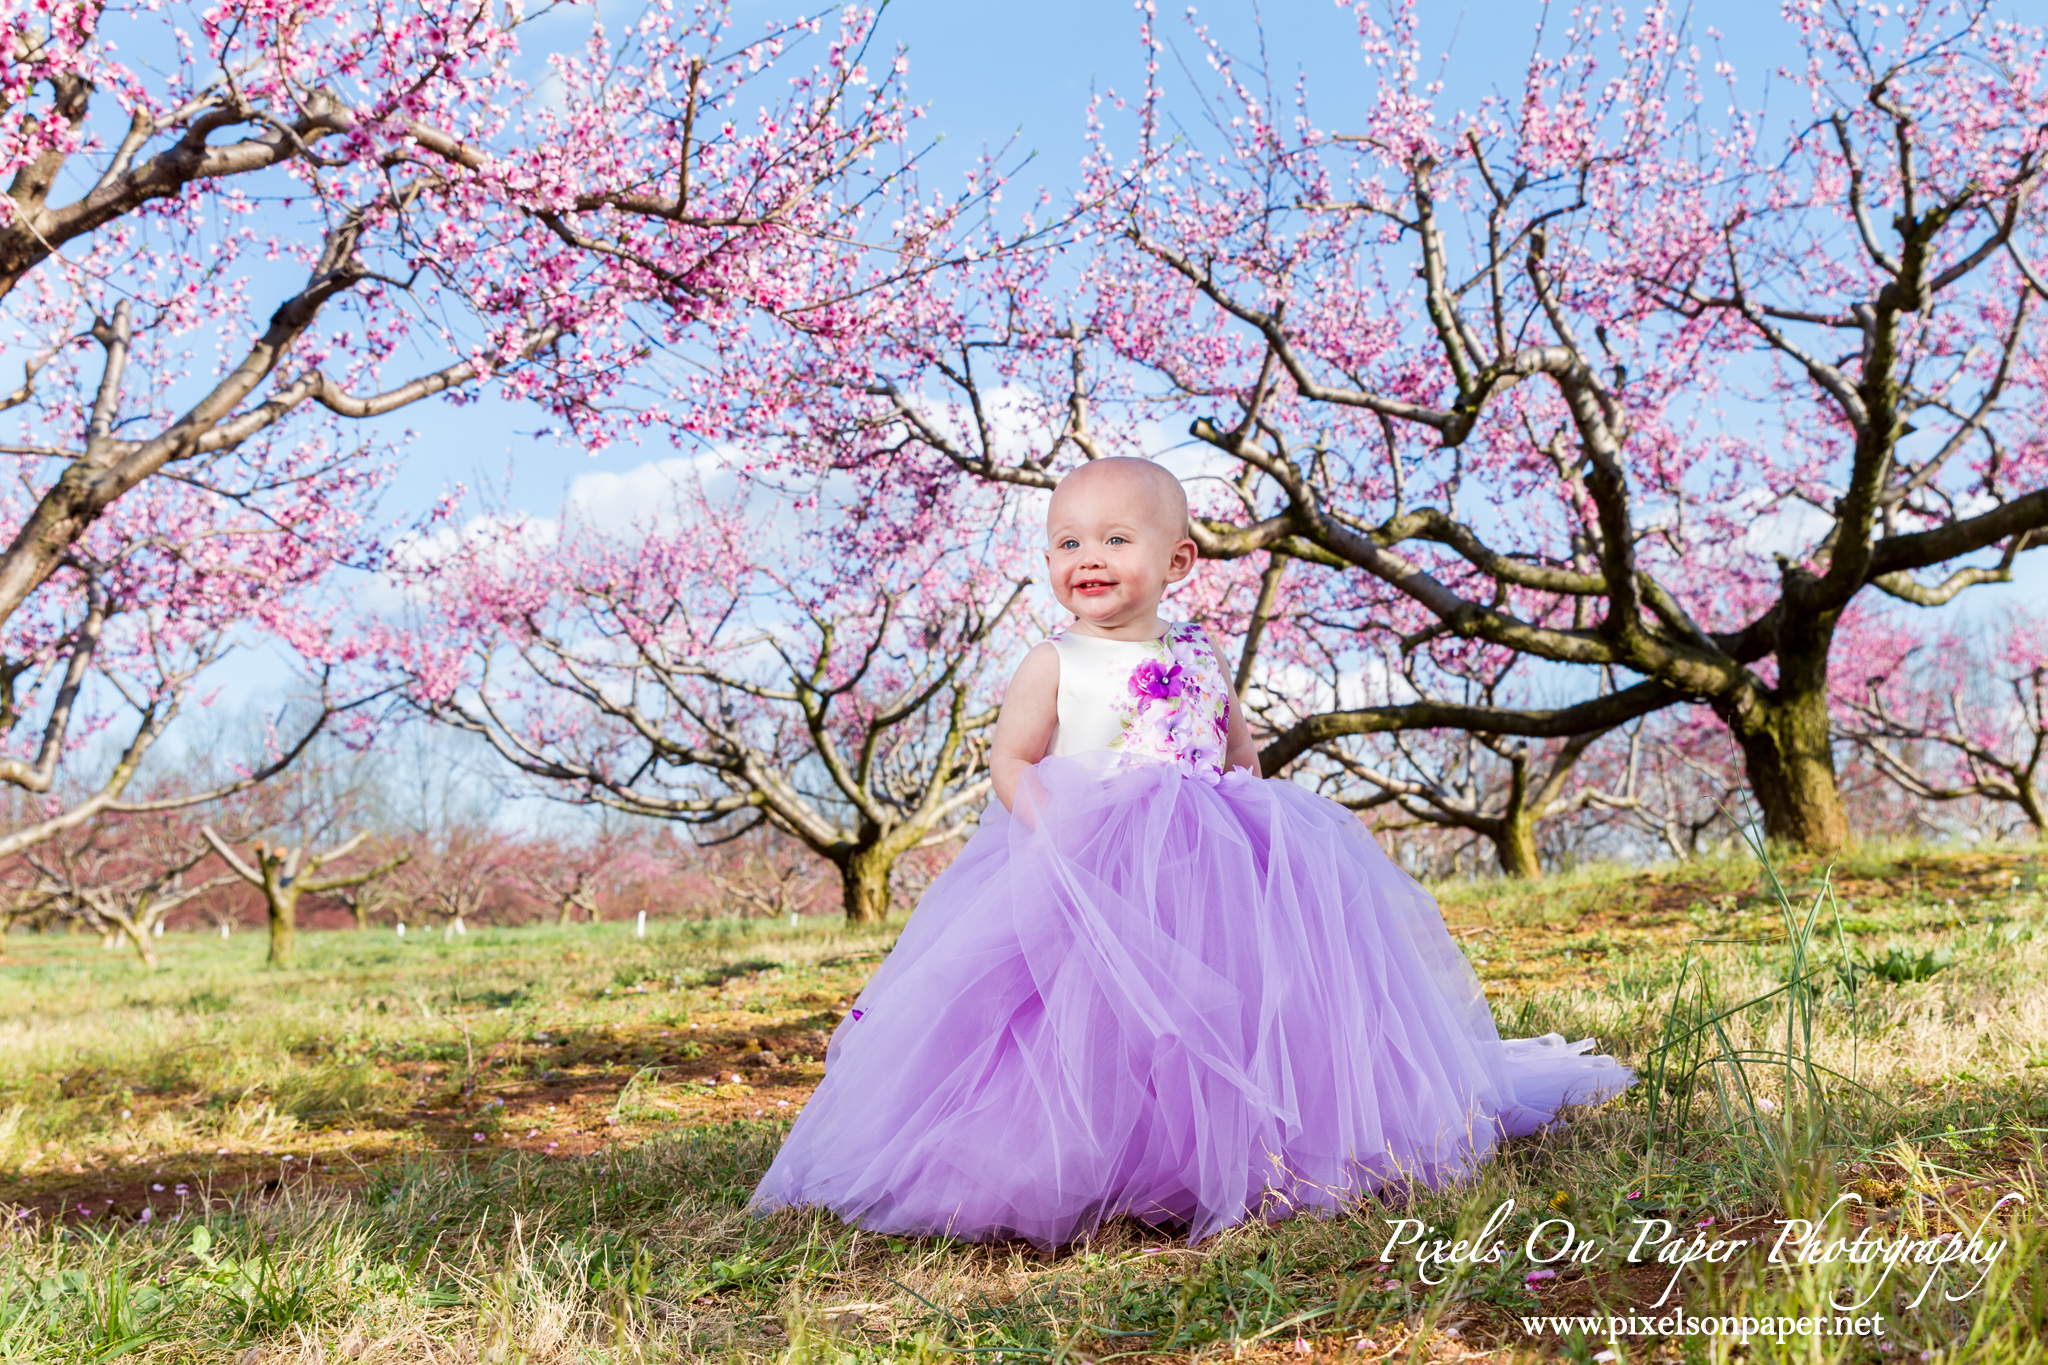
<point>233,237</point>
<point>1958,717</point>
<point>1621,375</point>
<point>728,665</point>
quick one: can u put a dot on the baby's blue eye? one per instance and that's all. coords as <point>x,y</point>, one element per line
<point>1116,540</point>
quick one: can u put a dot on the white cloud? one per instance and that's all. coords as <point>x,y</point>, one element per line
<point>507,532</point>
<point>644,497</point>
<point>1787,527</point>
<point>503,533</point>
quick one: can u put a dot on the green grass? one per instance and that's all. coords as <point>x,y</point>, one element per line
<point>529,1145</point>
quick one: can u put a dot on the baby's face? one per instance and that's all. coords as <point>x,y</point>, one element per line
<point>1113,544</point>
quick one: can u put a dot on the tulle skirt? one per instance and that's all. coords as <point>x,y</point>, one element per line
<point>1145,994</point>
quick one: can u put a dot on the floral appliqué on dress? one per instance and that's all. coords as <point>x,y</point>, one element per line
<point>1179,706</point>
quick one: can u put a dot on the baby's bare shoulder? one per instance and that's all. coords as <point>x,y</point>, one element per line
<point>1039,668</point>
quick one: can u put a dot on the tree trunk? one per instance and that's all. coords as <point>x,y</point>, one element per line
<point>1514,843</point>
<point>1791,766</point>
<point>568,912</point>
<point>2029,798</point>
<point>143,948</point>
<point>864,880</point>
<point>361,909</point>
<point>1514,833</point>
<point>284,923</point>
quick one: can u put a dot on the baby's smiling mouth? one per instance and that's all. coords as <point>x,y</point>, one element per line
<point>1094,585</point>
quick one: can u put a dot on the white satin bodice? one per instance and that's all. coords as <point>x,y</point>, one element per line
<point>1094,676</point>
<point>1163,699</point>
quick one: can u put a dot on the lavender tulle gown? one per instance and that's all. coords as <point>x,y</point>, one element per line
<point>1165,991</point>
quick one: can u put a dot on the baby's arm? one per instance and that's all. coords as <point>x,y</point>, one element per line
<point>1238,751</point>
<point>1242,753</point>
<point>1024,730</point>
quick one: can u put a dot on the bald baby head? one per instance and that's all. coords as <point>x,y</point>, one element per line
<point>1121,488</point>
<point>1116,535</point>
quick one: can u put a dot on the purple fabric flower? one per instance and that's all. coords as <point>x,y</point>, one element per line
<point>1149,680</point>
